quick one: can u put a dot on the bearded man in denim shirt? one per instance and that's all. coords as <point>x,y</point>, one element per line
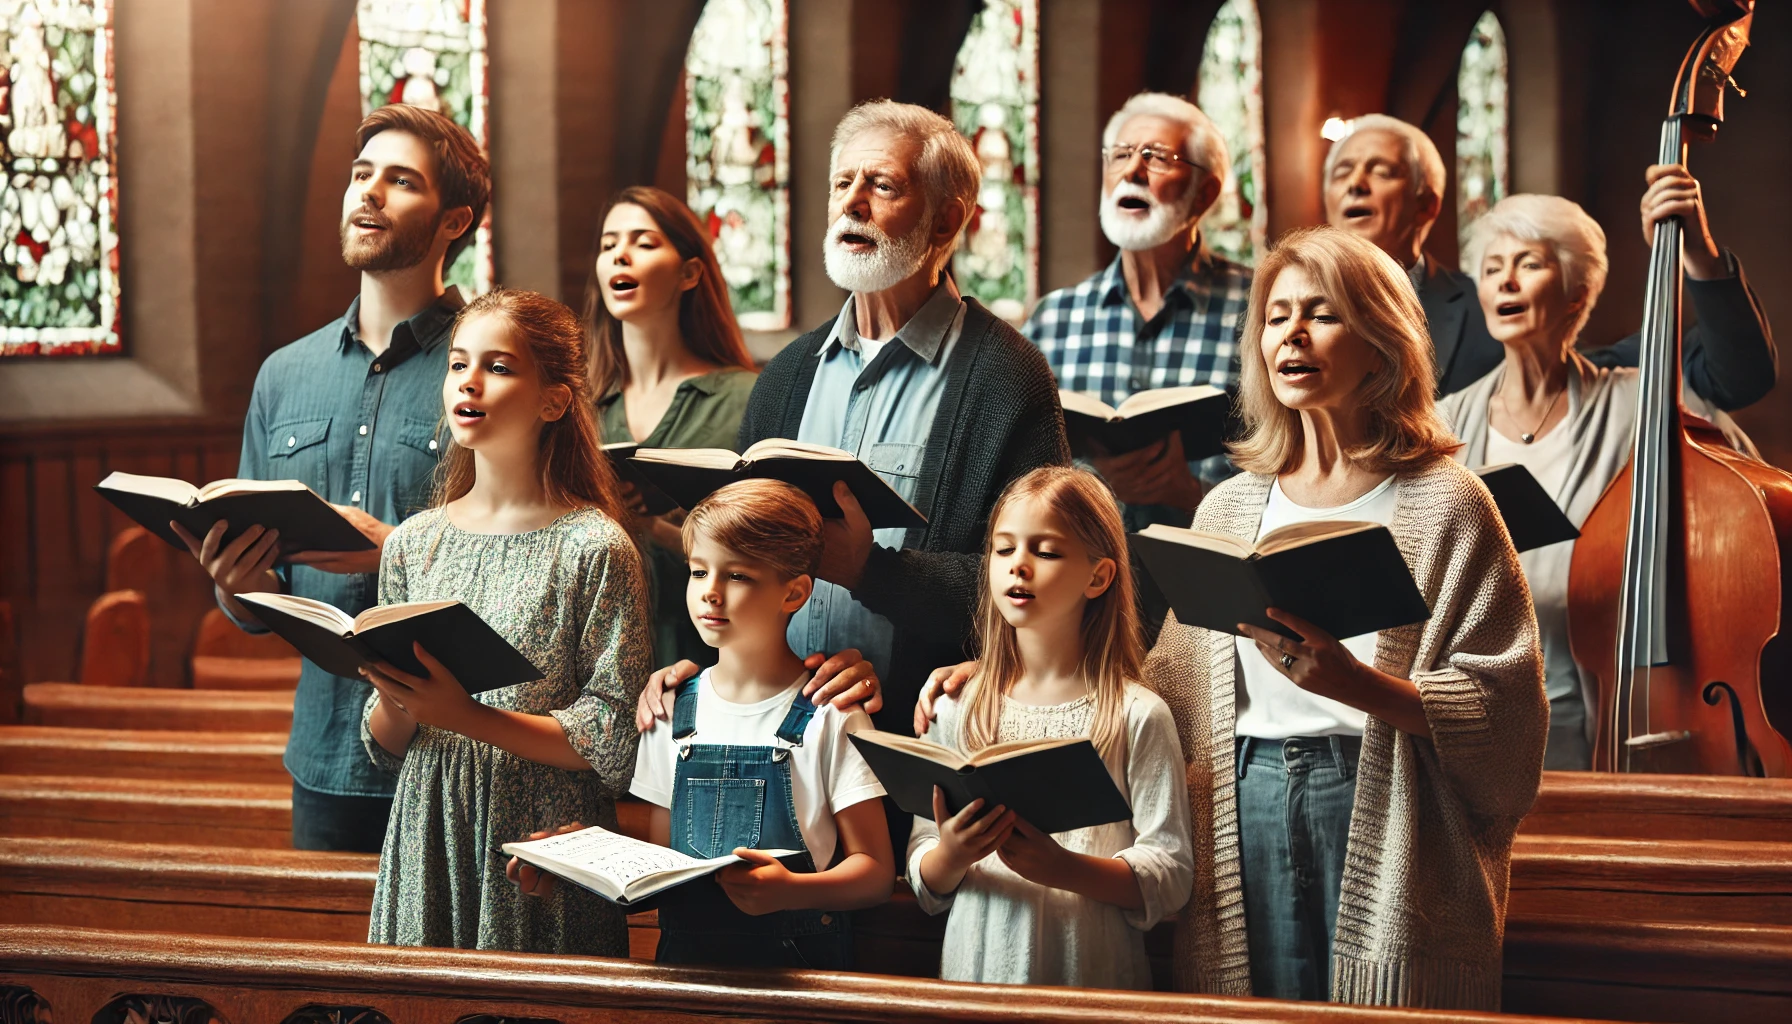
<point>352,411</point>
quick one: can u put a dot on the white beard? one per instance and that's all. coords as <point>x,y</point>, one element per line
<point>1162,223</point>
<point>893,261</point>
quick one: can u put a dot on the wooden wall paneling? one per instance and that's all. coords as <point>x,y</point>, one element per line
<point>15,575</point>
<point>57,529</point>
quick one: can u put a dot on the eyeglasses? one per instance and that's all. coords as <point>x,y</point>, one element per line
<point>1158,159</point>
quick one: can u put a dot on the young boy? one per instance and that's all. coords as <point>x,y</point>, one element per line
<point>748,763</point>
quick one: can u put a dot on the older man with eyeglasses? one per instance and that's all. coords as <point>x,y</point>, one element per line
<point>1164,312</point>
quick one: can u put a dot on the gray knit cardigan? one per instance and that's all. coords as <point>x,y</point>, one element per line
<point>1421,915</point>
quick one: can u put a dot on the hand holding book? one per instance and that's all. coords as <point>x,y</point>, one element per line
<point>1318,663</point>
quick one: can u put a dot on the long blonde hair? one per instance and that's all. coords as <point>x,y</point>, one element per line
<point>1113,648</point>
<point>1375,299</point>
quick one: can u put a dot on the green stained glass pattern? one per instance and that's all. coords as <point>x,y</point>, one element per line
<point>432,53</point>
<point>1481,123</point>
<point>995,103</point>
<point>737,151</point>
<point>1230,93</point>
<point>59,292</point>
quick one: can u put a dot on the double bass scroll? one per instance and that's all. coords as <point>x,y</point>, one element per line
<point>1684,567</point>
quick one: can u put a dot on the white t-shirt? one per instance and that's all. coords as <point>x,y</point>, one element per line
<point>1274,708</point>
<point>827,775</point>
<point>1549,459</point>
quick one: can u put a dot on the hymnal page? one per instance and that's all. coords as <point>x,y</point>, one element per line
<point>1163,398</point>
<point>614,866</point>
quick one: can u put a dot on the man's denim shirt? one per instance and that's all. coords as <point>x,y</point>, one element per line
<point>364,432</point>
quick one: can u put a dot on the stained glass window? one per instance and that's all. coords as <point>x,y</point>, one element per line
<point>995,103</point>
<point>431,53</point>
<point>1481,123</point>
<point>1230,92</point>
<point>59,196</point>
<point>737,151</point>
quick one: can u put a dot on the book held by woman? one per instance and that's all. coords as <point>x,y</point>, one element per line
<point>1348,578</point>
<point>341,644</point>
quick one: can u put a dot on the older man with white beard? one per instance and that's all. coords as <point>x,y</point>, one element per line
<point>944,400</point>
<point>1165,311</point>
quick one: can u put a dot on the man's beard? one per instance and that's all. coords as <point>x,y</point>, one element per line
<point>396,248</point>
<point>1164,221</point>
<point>893,261</point>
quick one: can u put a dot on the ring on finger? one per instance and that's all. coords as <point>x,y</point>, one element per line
<point>1287,660</point>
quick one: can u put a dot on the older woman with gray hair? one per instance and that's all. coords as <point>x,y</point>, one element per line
<point>1540,265</point>
<point>1356,798</point>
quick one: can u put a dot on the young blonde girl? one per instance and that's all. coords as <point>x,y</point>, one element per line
<point>524,532</point>
<point>1061,656</point>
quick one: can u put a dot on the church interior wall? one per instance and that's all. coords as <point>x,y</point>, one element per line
<point>237,116</point>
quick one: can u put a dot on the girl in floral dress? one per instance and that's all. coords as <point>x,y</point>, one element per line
<point>525,532</point>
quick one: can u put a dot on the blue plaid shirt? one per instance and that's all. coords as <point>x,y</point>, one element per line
<point>1096,341</point>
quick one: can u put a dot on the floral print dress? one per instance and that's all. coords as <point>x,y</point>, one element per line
<point>571,598</point>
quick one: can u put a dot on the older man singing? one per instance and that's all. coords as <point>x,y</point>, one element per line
<point>940,397</point>
<point>1164,313</point>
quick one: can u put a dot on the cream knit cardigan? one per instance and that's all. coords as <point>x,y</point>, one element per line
<point>1422,910</point>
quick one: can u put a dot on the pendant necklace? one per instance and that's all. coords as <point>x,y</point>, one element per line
<point>1531,436</point>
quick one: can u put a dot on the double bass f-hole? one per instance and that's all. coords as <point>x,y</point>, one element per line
<point>1682,573</point>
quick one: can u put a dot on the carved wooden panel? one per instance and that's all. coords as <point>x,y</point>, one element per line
<point>317,1013</point>
<point>20,1005</point>
<point>492,1018</point>
<point>157,1009</point>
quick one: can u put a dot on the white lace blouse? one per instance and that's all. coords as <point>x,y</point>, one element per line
<point>1006,929</point>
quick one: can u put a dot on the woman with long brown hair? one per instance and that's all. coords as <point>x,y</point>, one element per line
<point>524,532</point>
<point>668,368</point>
<point>1355,799</point>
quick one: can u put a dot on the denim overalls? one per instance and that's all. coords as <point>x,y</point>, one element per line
<point>729,796</point>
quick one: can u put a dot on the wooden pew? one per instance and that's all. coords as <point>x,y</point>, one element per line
<point>1567,932</point>
<point>118,707</point>
<point>81,974</point>
<point>143,754</point>
<point>226,658</point>
<point>213,890</point>
<point>251,814</point>
<point>1692,807</point>
<point>1654,880</point>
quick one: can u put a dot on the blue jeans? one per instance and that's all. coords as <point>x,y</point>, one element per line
<point>1294,802</point>
<point>352,824</point>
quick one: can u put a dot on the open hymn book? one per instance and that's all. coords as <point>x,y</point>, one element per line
<point>1097,428</point>
<point>306,521</point>
<point>690,474</point>
<point>1055,785</point>
<point>622,870</point>
<point>1347,578</point>
<point>342,645</point>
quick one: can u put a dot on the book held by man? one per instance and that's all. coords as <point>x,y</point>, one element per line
<point>1347,578</point>
<point>1055,785</point>
<point>342,644</point>
<point>306,521</point>
<point>622,870</point>
<point>691,474</point>
<point>1532,517</point>
<point>1097,428</point>
<point>655,501</point>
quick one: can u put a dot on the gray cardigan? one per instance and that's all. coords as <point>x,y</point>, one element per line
<point>1422,910</point>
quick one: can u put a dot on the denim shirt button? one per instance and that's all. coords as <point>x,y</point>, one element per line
<point>291,441</point>
<point>432,444</point>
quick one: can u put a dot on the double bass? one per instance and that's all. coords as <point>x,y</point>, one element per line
<point>1683,569</point>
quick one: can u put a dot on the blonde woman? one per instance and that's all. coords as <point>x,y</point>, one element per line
<point>1354,799</point>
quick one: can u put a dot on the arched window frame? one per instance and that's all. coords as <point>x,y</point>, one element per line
<point>451,33</point>
<point>1483,123</point>
<point>743,214</point>
<point>1229,91</point>
<point>995,103</point>
<point>59,236</point>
